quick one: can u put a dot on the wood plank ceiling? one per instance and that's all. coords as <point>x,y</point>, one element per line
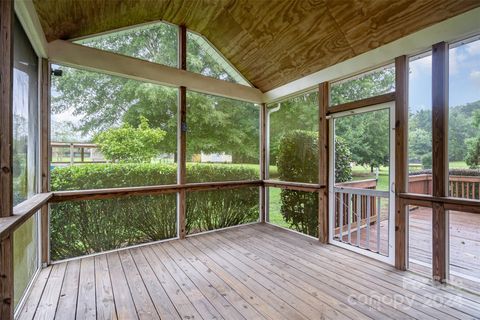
<point>271,42</point>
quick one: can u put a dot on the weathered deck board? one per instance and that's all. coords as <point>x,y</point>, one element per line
<point>67,303</point>
<point>30,307</point>
<point>48,303</point>
<point>86,304</point>
<point>251,272</point>
<point>103,290</point>
<point>464,244</point>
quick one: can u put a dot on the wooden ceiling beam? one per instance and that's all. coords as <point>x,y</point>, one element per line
<point>75,55</point>
<point>27,15</point>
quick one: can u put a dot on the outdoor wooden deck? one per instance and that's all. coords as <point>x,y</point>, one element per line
<point>464,244</point>
<point>256,271</point>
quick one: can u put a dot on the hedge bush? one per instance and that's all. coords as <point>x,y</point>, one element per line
<point>452,172</point>
<point>298,161</point>
<point>88,226</point>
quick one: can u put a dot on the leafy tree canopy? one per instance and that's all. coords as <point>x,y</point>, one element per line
<point>472,157</point>
<point>367,85</point>
<point>101,101</point>
<point>367,136</point>
<point>464,122</point>
<point>129,144</point>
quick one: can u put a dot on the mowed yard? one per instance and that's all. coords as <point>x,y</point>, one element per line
<point>358,173</point>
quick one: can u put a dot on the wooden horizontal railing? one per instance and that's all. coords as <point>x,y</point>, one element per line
<point>449,203</point>
<point>464,186</point>
<point>356,206</point>
<point>22,213</point>
<point>95,194</point>
<point>299,186</point>
<point>459,186</point>
<point>26,209</point>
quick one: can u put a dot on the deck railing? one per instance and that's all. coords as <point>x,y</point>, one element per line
<point>358,205</point>
<point>342,197</point>
<point>459,186</point>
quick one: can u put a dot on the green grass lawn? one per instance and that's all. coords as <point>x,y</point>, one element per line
<point>363,173</point>
<point>457,165</point>
<point>274,205</point>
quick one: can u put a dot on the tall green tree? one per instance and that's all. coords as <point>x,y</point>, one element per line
<point>365,134</point>
<point>367,137</point>
<point>472,157</point>
<point>367,85</point>
<point>100,101</point>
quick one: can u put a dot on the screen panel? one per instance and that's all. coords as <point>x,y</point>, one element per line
<point>464,119</point>
<point>366,85</point>
<point>211,210</point>
<point>222,139</point>
<point>85,227</point>
<point>109,132</point>
<point>156,42</point>
<point>295,210</point>
<point>293,139</point>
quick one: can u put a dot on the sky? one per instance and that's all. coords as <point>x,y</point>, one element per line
<point>464,77</point>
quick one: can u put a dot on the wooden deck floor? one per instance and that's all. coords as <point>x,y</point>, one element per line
<point>251,272</point>
<point>464,244</point>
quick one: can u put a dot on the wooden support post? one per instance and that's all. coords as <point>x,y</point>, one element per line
<point>323,145</point>
<point>182,134</point>
<point>401,160</point>
<point>263,161</point>
<point>6,107</point>
<point>6,278</point>
<point>45,157</point>
<point>6,137</point>
<point>440,159</point>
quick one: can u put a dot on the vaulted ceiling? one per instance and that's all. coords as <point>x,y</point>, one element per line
<point>271,42</point>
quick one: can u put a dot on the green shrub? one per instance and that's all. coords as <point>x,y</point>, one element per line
<point>83,227</point>
<point>298,161</point>
<point>427,161</point>
<point>473,153</point>
<point>297,158</point>
<point>211,210</point>
<point>451,172</point>
<point>89,226</point>
<point>98,176</point>
<point>129,144</point>
<point>343,160</point>
<point>207,172</point>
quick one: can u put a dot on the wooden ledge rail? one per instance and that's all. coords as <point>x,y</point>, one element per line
<point>449,203</point>
<point>299,186</point>
<point>22,213</point>
<point>387,97</point>
<point>96,194</point>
